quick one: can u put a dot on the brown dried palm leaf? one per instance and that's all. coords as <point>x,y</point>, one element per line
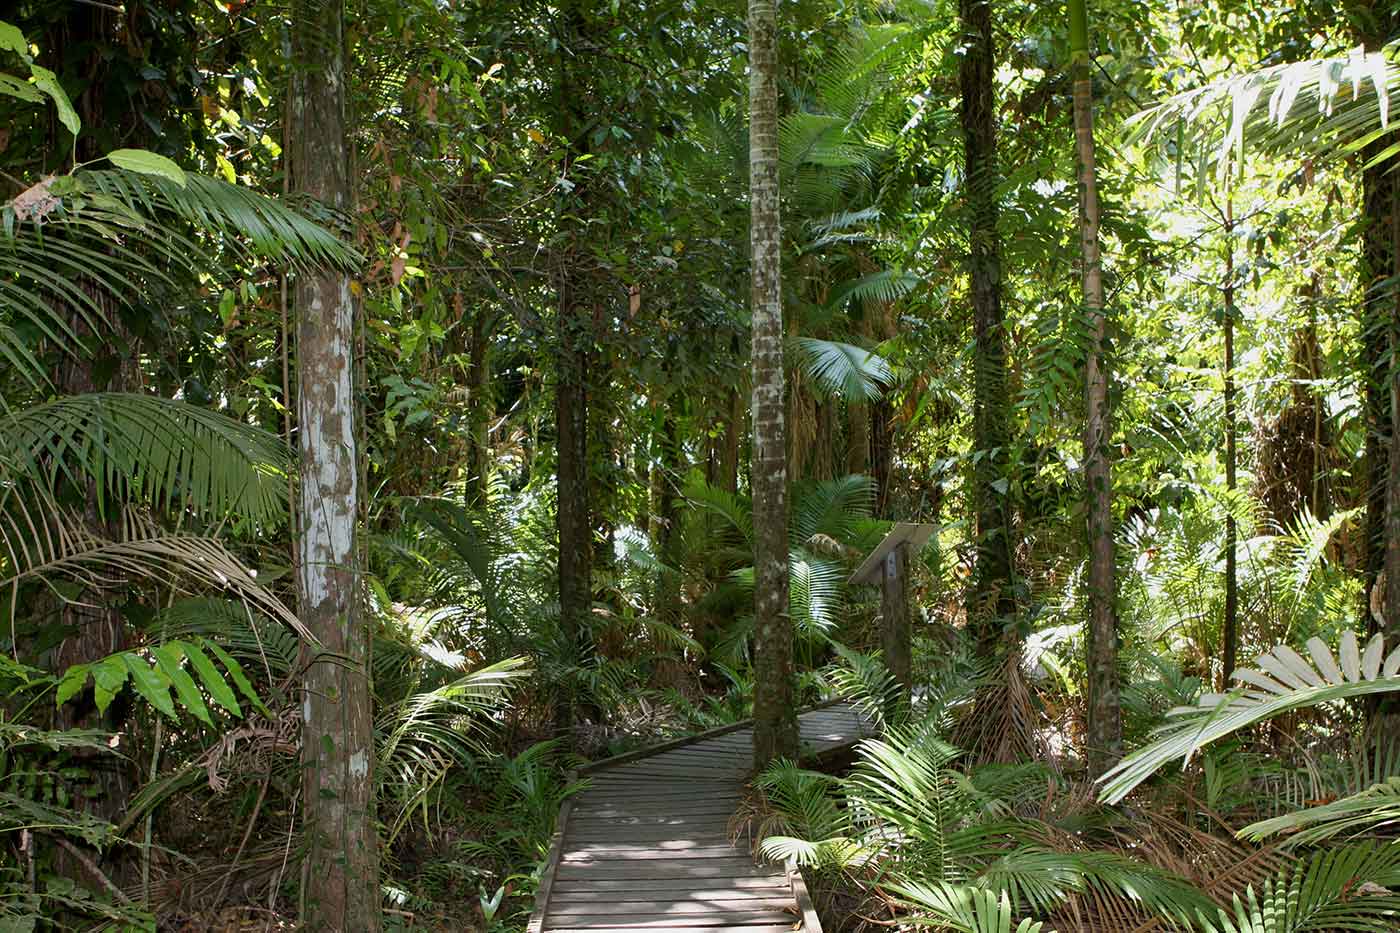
<point>42,541</point>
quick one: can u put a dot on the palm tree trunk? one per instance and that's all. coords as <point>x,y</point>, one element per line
<point>775,718</point>
<point>1231,635</point>
<point>341,886</point>
<point>1105,725</point>
<point>991,597</point>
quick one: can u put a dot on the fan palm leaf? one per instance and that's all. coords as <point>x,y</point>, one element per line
<point>1286,682</point>
<point>843,370</point>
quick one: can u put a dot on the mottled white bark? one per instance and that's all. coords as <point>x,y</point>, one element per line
<point>341,878</point>
<point>775,716</point>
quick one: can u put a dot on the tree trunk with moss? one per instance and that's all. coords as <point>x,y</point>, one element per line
<point>991,598</point>
<point>341,878</point>
<point>775,717</point>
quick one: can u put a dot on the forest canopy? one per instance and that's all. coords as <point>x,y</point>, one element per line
<point>412,413</point>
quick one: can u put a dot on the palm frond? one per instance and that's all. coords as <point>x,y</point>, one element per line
<point>40,541</point>
<point>842,370</point>
<point>1335,889</point>
<point>964,908</point>
<point>142,449</point>
<point>1286,682</point>
<point>1326,107</point>
<point>270,228</point>
<point>1373,810</point>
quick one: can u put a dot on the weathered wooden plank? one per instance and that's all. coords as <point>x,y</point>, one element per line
<point>762,927</point>
<point>644,852</point>
<point>643,814</point>
<point>623,889</point>
<point>811,921</point>
<point>714,918</point>
<point>664,868</point>
<point>668,908</point>
<point>679,892</point>
<point>709,833</point>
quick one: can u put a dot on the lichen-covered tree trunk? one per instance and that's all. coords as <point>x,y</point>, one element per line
<point>1105,725</point>
<point>775,717</point>
<point>341,869</point>
<point>991,597</point>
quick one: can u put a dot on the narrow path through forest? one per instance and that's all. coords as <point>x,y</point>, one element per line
<point>646,846</point>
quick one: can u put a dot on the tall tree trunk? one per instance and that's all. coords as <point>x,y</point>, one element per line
<point>574,359</point>
<point>1386,719</point>
<point>573,512</point>
<point>991,598</point>
<point>1105,726</point>
<point>481,412</point>
<point>1378,187</point>
<point>1231,635</point>
<point>341,886</point>
<point>775,717</point>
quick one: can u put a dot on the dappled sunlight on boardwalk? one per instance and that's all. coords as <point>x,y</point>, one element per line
<point>646,846</point>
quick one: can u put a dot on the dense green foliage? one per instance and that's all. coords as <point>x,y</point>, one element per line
<point>549,258</point>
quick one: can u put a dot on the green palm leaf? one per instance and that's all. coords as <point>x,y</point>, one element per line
<point>841,369</point>
<point>1335,889</point>
<point>964,909</point>
<point>1327,107</point>
<point>40,541</point>
<point>1372,810</point>
<point>140,448</point>
<point>1286,682</point>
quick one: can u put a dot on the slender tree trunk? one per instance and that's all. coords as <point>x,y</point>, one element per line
<point>341,889</point>
<point>991,597</point>
<point>573,512</point>
<point>481,412</point>
<point>729,454</point>
<point>775,717</point>
<point>1231,637</point>
<point>1386,719</point>
<point>1105,726</point>
<point>1378,187</point>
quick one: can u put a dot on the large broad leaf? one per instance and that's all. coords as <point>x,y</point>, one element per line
<point>147,163</point>
<point>1285,681</point>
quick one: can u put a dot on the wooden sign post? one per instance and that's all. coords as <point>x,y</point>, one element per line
<point>888,567</point>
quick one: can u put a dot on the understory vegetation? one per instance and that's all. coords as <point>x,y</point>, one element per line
<point>405,404</point>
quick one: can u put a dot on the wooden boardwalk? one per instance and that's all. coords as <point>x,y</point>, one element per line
<point>646,846</point>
